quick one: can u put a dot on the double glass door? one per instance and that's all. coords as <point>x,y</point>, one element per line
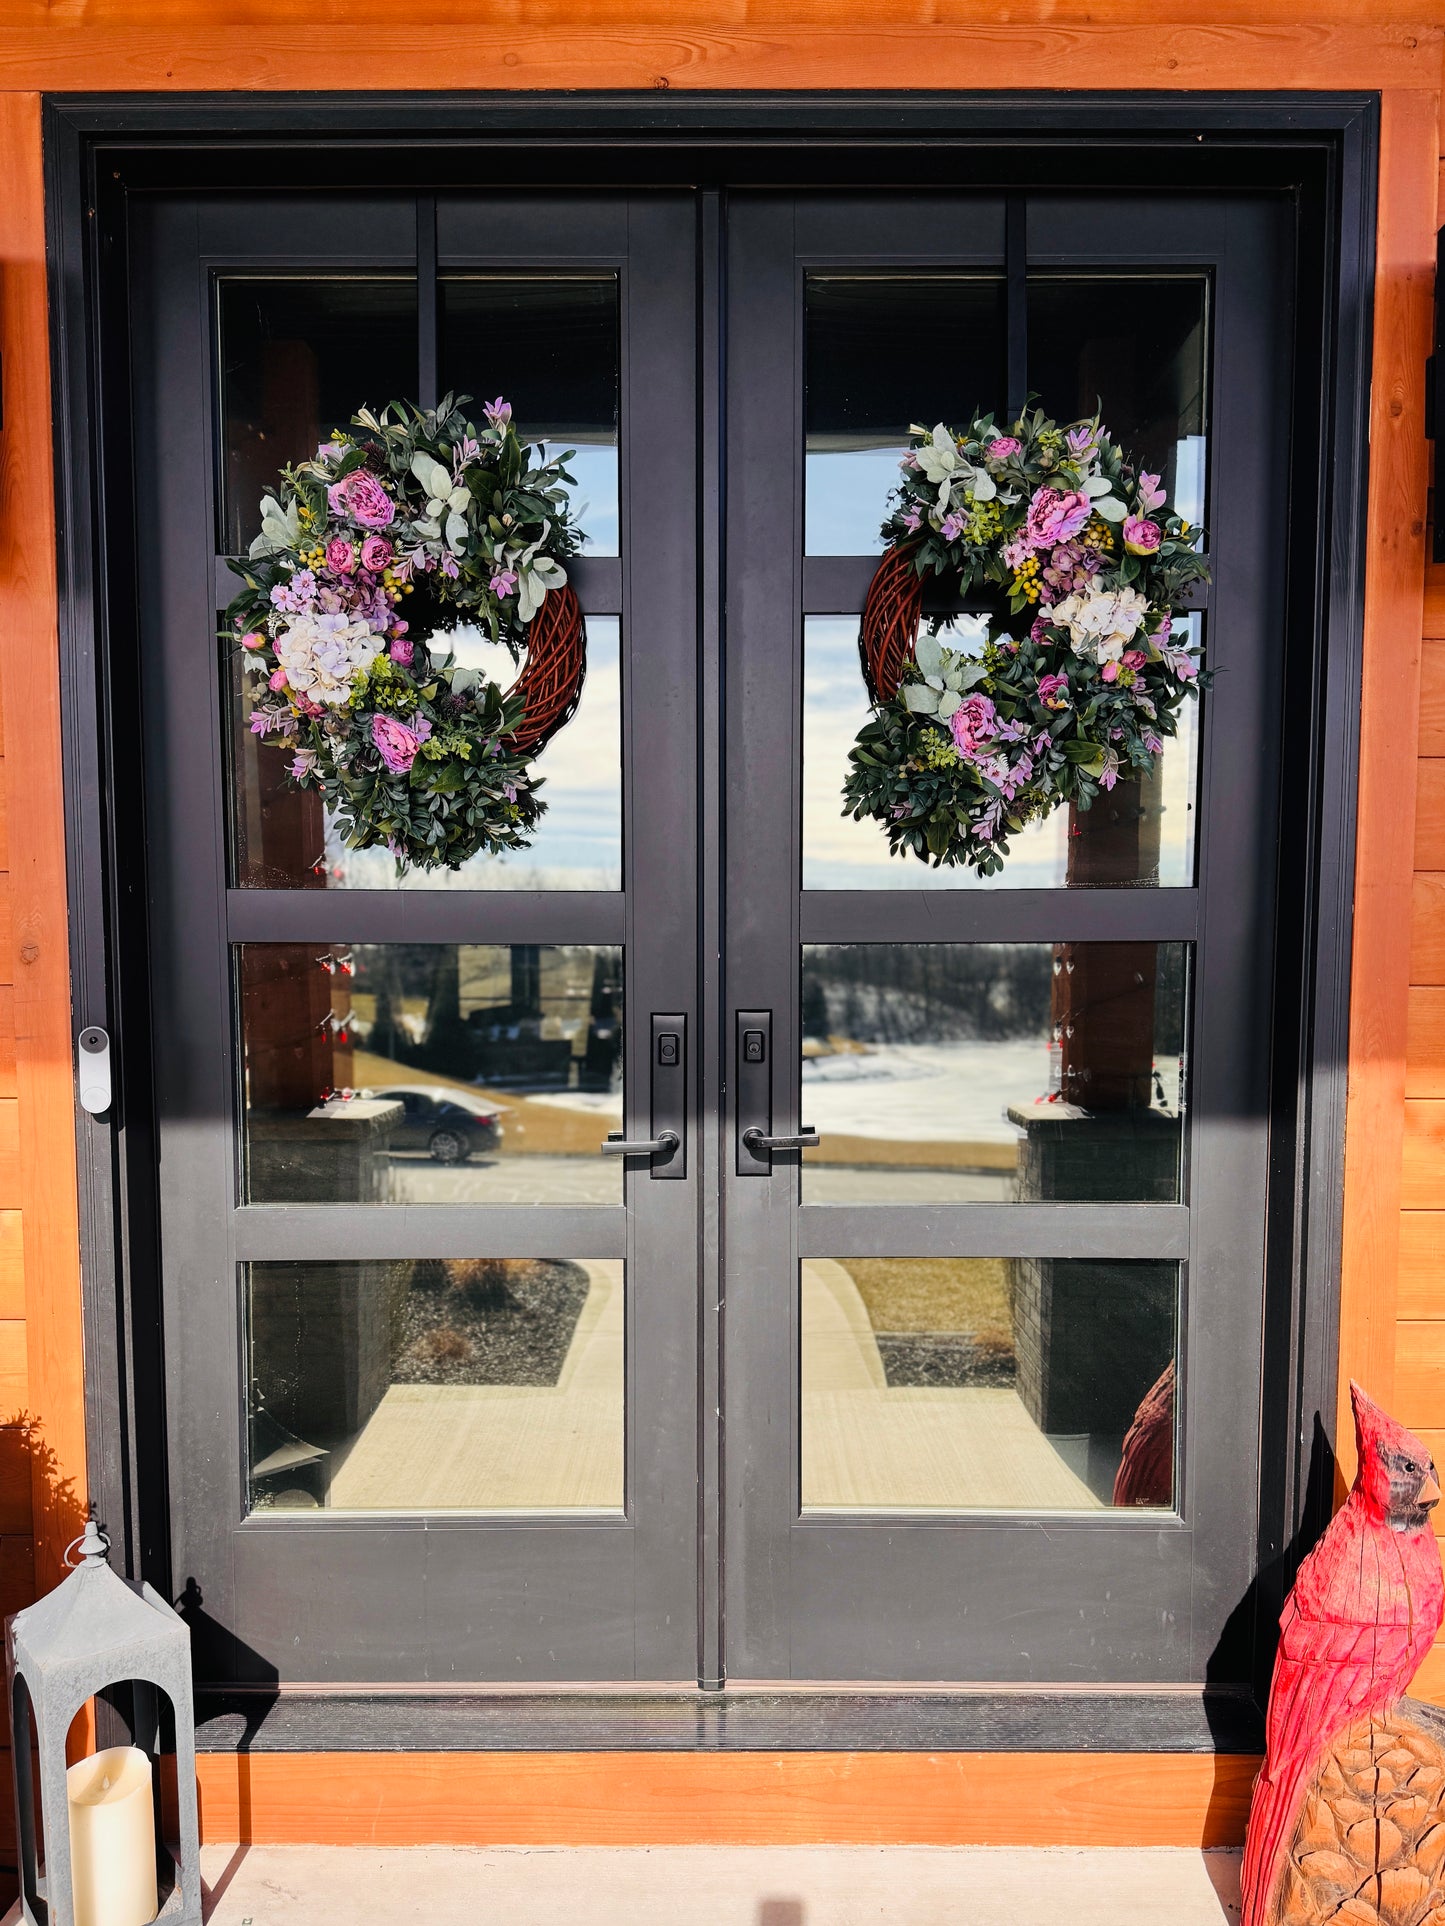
<point>451,1394</point>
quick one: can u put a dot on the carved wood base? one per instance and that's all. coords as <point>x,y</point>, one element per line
<point>1369,1847</point>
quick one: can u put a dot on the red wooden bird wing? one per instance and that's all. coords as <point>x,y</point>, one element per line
<point>1327,1674</point>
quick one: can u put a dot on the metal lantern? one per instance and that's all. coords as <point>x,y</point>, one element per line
<point>93,1631</point>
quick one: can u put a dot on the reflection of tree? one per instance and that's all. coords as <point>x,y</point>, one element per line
<point>926,992</point>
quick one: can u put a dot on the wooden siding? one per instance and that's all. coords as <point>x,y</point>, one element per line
<point>1393,1285</point>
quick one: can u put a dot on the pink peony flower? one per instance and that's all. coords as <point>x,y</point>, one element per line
<point>1054,691</point>
<point>1041,625</point>
<point>1054,515</point>
<point>361,496</point>
<point>397,742</point>
<point>340,556</point>
<point>402,652</point>
<point>376,553</point>
<point>1134,658</point>
<point>974,722</point>
<point>255,640</point>
<point>276,679</point>
<point>1002,446</point>
<point>1142,537</point>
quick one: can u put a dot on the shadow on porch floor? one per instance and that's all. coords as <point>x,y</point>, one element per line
<point>709,1886</point>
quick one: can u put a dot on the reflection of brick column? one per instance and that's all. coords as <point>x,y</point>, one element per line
<point>287,1000</point>
<point>1103,1000</point>
<point>283,828</point>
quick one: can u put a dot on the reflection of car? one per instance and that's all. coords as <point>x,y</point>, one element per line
<point>446,1122</point>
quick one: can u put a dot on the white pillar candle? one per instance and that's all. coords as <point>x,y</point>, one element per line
<point>112,1838</point>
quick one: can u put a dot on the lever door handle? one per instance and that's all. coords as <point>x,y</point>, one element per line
<point>757,1142</point>
<point>664,1144</point>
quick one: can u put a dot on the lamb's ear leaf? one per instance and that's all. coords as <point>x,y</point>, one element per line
<point>1111,508</point>
<point>1097,485</point>
<point>919,699</point>
<point>928,654</point>
<point>947,703</point>
<point>984,486</point>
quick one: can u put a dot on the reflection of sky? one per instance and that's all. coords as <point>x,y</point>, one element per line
<point>578,844</point>
<point>839,853</point>
<point>594,498</point>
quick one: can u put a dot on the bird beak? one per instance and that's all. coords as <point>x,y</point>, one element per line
<point>1429,1492</point>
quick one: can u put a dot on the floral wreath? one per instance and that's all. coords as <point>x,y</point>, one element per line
<point>390,534</point>
<point>968,744</point>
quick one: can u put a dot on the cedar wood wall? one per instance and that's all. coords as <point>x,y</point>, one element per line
<point>1393,1288</point>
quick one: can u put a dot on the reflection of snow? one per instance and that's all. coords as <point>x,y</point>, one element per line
<point>935,1092</point>
<point>600,1103</point>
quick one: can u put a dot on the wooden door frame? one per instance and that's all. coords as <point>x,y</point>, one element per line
<point>1323,145</point>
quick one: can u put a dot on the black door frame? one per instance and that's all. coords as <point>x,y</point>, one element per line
<point>1320,147</point>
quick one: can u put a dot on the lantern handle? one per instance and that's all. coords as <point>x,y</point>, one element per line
<point>94,1547</point>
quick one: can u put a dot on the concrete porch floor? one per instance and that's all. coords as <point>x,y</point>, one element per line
<point>713,1886</point>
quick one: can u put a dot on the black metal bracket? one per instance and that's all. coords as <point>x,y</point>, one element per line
<point>1435,401</point>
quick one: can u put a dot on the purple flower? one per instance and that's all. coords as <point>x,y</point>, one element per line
<point>397,742</point>
<point>1142,537</point>
<point>297,594</point>
<point>468,449</point>
<point>266,722</point>
<point>951,528</point>
<point>913,520</point>
<point>301,764</point>
<point>974,722</point>
<point>1109,774</point>
<point>1054,515</point>
<point>498,412</point>
<point>449,567</point>
<point>1152,743</point>
<point>401,652</point>
<point>1054,691</point>
<point>1041,626</point>
<point>1001,447</point>
<point>503,582</point>
<point>509,790</point>
<point>361,496</point>
<point>1151,495</point>
<point>1082,440</point>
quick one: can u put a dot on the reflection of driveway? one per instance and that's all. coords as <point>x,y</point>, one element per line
<point>870,1446</point>
<point>508,1180</point>
<point>494,1447</point>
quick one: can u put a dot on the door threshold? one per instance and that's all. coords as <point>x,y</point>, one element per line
<point>756,1717</point>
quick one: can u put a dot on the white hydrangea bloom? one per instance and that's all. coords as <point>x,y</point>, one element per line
<point>1102,622</point>
<point>322,654</point>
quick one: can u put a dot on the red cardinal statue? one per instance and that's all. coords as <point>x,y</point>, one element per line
<point>1364,1611</point>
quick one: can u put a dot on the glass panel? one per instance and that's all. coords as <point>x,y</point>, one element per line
<point>1142,833</point>
<point>1135,346</point>
<point>430,1073</point>
<point>993,1072</point>
<point>549,345</point>
<point>436,1384</point>
<point>883,352</point>
<point>298,358</point>
<point>285,839</point>
<point>987,1383</point>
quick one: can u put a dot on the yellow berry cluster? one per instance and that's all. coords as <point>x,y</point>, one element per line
<point>394,589</point>
<point>313,557</point>
<point>937,750</point>
<point>1097,534</point>
<point>984,524</point>
<point>1025,580</point>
